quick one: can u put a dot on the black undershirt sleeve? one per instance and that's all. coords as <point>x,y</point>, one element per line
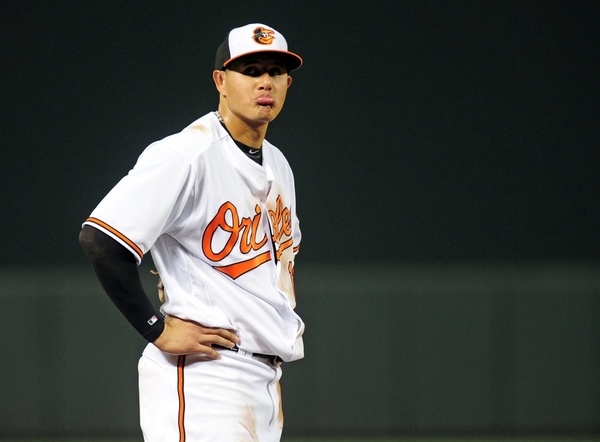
<point>118,273</point>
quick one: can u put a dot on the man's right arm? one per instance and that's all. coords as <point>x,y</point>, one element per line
<point>118,274</point>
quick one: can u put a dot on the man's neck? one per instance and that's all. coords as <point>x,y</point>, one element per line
<point>241,131</point>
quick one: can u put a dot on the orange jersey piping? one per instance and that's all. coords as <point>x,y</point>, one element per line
<point>118,234</point>
<point>181,396</point>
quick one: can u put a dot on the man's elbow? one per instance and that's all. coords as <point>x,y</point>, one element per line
<point>88,240</point>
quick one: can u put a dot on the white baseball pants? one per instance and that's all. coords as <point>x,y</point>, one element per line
<point>191,399</point>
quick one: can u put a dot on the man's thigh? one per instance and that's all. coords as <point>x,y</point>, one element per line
<point>189,398</point>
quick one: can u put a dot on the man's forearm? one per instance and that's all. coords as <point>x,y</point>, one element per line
<point>118,274</point>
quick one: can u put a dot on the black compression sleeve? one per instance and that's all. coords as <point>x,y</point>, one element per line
<point>117,271</point>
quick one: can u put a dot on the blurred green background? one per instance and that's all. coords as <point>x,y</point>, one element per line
<point>391,350</point>
<point>446,156</point>
<point>383,439</point>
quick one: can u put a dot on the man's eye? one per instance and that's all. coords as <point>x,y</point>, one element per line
<point>254,71</point>
<point>273,72</point>
<point>251,71</point>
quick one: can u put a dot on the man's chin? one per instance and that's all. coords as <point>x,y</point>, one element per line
<point>268,114</point>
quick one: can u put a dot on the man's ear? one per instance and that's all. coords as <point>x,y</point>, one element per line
<point>289,81</point>
<point>219,79</point>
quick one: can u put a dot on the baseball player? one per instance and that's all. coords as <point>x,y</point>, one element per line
<point>215,205</point>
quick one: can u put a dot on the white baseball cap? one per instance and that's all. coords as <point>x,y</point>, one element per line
<point>251,39</point>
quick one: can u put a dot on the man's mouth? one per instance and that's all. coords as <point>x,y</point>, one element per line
<point>265,101</point>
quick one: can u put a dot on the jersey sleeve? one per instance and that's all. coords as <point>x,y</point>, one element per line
<point>148,201</point>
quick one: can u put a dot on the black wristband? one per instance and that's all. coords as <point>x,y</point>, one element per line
<point>157,326</point>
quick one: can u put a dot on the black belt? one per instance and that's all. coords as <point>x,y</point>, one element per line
<point>271,358</point>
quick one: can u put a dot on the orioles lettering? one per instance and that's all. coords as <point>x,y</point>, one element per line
<point>247,228</point>
<point>243,232</point>
<point>281,220</point>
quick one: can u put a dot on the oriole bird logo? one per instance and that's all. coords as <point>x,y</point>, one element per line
<point>264,36</point>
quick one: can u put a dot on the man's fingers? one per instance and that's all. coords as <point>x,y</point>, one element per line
<point>220,336</point>
<point>229,337</point>
<point>223,332</point>
<point>208,351</point>
<point>186,337</point>
<point>223,342</point>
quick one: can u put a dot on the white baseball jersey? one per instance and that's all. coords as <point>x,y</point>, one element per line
<point>222,231</point>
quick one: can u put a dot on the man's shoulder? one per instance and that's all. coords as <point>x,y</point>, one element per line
<point>207,125</point>
<point>275,154</point>
<point>193,139</point>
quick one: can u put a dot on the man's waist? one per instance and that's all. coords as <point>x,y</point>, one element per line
<point>271,359</point>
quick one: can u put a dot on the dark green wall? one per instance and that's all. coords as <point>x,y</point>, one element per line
<point>426,133</point>
<point>390,349</point>
<point>418,130</point>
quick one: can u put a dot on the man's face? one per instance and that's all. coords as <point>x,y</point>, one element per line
<point>255,88</point>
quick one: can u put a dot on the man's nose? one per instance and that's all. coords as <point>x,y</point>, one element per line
<point>265,81</point>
